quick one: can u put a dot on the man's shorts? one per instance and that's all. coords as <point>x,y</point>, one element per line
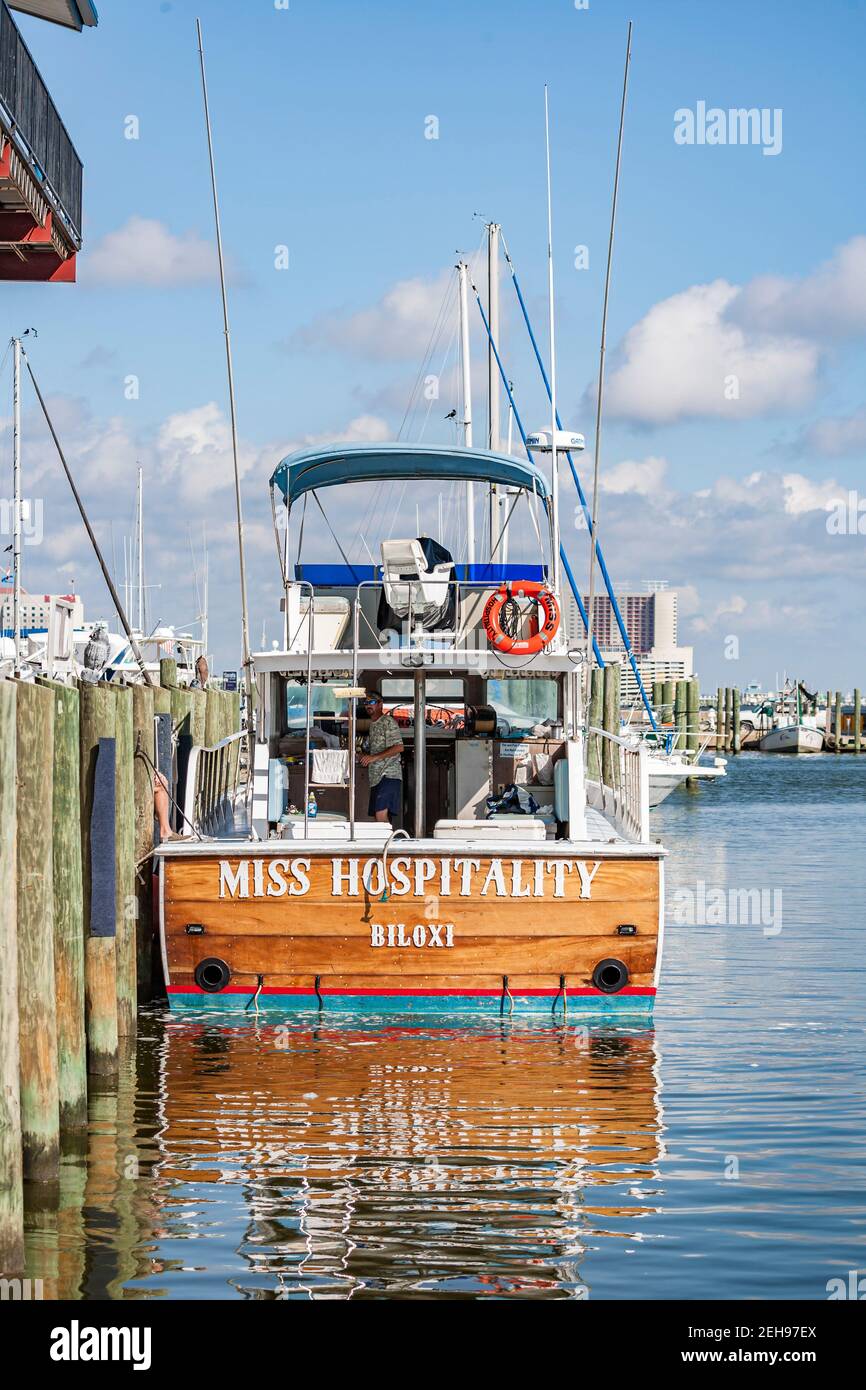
<point>387,795</point>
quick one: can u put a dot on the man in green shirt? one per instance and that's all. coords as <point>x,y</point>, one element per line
<point>384,761</point>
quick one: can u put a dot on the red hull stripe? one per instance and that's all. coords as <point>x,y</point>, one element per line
<point>408,993</point>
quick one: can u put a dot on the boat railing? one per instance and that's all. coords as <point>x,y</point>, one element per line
<point>671,739</point>
<point>617,782</point>
<point>212,786</point>
<point>464,636</point>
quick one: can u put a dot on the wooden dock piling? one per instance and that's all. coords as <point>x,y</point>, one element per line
<point>596,715</point>
<point>37,1034</point>
<point>837,723</point>
<point>213,717</point>
<point>168,672</point>
<point>729,719</point>
<point>693,715</point>
<point>142,727</point>
<point>198,717</point>
<point>857,721</point>
<point>681,713</point>
<point>667,702</point>
<point>611,702</point>
<point>97,722</point>
<point>124,859</point>
<point>720,719</point>
<point>11,1188</point>
<point>736,741</point>
<point>68,909</point>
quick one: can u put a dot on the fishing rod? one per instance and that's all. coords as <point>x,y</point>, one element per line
<point>623,630</point>
<point>508,391</point>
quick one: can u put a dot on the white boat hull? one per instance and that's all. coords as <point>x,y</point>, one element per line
<point>666,775</point>
<point>794,738</point>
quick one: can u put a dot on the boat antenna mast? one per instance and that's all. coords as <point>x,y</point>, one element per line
<point>245,624</point>
<point>493,399</point>
<point>554,461</point>
<point>600,396</point>
<point>463,303</point>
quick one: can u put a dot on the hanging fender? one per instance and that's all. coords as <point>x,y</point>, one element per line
<point>521,588</point>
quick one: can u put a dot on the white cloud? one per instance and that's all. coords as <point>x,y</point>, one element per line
<point>829,303</point>
<point>643,476</point>
<point>686,359</point>
<point>145,252</point>
<point>804,495</point>
<point>397,327</point>
<point>364,429</point>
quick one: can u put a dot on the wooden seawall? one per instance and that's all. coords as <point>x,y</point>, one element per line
<point>76,929</point>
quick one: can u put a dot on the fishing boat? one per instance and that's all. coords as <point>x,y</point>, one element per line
<point>792,738</point>
<point>518,874</point>
<point>791,733</point>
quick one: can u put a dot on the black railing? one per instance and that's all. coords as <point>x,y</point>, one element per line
<point>35,121</point>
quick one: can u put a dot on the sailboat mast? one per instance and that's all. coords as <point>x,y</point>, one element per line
<point>16,501</point>
<point>463,301</point>
<point>245,621</point>
<point>554,461</point>
<point>205,622</point>
<point>140,558</point>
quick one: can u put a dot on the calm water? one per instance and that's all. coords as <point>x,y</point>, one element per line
<point>721,1154</point>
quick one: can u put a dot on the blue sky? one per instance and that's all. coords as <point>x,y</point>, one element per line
<point>319,115</point>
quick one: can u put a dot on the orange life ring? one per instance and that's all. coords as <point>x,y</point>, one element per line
<point>492,617</point>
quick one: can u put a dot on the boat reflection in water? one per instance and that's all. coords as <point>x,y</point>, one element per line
<point>338,1160</point>
<point>344,1161</point>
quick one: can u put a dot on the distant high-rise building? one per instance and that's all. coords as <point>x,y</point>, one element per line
<point>650,616</point>
<point>35,611</point>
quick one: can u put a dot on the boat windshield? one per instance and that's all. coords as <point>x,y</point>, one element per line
<point>521,704</point>
<point>324,702</point>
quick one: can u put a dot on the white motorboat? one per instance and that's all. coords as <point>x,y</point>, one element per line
<point>669,771</point>
<point>792,738</point>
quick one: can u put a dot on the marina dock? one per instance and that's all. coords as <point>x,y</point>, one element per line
<point>77,769</point>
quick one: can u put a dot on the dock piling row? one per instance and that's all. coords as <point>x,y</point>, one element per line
<point>76,948</point>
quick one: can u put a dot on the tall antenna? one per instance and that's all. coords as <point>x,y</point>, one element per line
<point>493,408</point>
<point>245,625</point>
<point>598,414</point>
<point>554,462</point>
<point>463,302</point>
